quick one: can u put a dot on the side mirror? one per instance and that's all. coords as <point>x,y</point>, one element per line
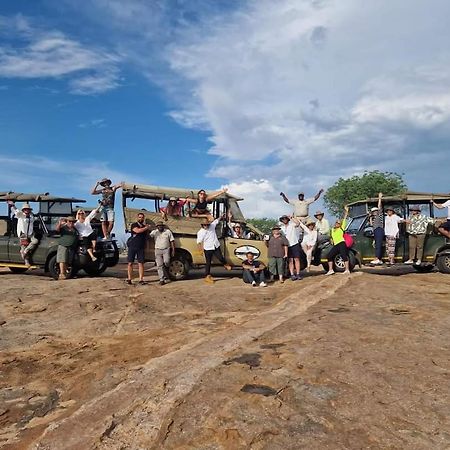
<point>368,232</point>
<point>266,237</point>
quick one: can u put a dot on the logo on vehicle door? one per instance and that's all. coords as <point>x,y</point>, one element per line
<point>241,252</point>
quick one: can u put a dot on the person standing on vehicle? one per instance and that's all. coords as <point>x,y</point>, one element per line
<point>339,245</point>
<point>417,229</point>
<point>253,271</point>
<point>25,230</point>
<point>88,236</point>
<point>208,242</point>
<point>164,249</point>
<point>444,228</point>
<point>108,192</point>
<point>322,227</point>
<point>66,244</point>
<point>391,231</point>
<point>136,247</point>
<point>376,219</point>
<point>278,252</point>
<point>290,228</point>
<point>309,241</point>
<point>301,206</point>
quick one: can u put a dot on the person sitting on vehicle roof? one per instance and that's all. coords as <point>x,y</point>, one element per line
<point>301,206</point>
<point>174,208</point>
<point>444,228</point>
<point>339,245</point>
<point>108,192</point>
<point>417,229</point>
<point>25,230</point>
<point>66,244</point>
<point>88,237</point>
<point>253,271</point>
<point>309,241</point>
<point>201,203</point>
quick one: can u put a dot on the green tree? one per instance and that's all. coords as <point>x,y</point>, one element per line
<point>265,224</point>
<point>359,187</point>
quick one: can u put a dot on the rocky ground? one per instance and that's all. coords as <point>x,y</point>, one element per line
<point>324,363</point>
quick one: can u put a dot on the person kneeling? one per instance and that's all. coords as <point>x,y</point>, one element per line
<point>253,271</point>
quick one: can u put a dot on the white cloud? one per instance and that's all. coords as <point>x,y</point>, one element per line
<point>30,52</point>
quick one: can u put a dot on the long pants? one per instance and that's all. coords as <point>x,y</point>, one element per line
<point>162,258</point>
<point>209,256</point>
<point>338,249</point>
<point>250,277</point>
<point>416,242</point>
<point>308,253</point>
<point>378,234</point>
<point>31,246</point>
<point>390,247</point>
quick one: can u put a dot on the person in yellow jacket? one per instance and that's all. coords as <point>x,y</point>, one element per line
<point>339,245</point>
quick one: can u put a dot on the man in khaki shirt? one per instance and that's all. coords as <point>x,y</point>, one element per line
<point>164,249</point>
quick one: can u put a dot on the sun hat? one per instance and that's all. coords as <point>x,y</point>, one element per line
<point>310,222</point>
<point>26,206</point>
<point>104,181</point>
<point>70,219</point>
<point>160,224</point>
<point>389,208</point>
<point>319,213</point>
<point>173,199</point>
<point>276,227</point>
<point>284,217</point>
<point>415,208</point>
<point>375,208</point>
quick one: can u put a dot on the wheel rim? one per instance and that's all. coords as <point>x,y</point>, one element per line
<point>176,268</point>
<point>339,263</point>
<point>447,262</point>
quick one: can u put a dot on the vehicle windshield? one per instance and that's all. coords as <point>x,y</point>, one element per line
<point>355,224</point>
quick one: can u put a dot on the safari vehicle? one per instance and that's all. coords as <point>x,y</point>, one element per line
<point>150,199</point>
<point>436,247</point>
<point>47,213</point>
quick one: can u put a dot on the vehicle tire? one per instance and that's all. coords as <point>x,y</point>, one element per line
<point>53,268</point>
<point>443,263</point>
<point>338,263</point>
<point>18,269</point>
<point>424,269</point>
<point>178,268</point>
<point>97,268</point>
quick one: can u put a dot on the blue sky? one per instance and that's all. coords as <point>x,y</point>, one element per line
<point>259,95</point>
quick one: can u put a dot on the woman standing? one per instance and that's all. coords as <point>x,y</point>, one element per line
<point>391,230</point>
<point>86,233</point>
<point>309,241</point>
<point>339,245</point>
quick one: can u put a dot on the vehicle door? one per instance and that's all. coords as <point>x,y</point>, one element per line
<point>236,250</point>
<point>4,239</point>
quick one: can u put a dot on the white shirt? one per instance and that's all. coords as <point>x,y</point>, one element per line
<point>447,205</point>
<point>310,236</point>
<point>208,236</point>
<point>391,225</point>
<point>291,231</point>
<point>84,228</point>
<point>301,207</point>
<point>162,239</point>
<point>24,223</point>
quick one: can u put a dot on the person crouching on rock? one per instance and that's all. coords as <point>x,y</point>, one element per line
<point>253,271</point>
<point>164,249</point>
<point>208,242</point>
<point>66,244</point>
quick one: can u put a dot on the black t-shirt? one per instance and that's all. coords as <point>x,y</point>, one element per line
<point>137,240</point>
<point>253,263</point>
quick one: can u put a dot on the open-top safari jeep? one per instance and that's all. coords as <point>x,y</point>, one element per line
<point>47,209</point>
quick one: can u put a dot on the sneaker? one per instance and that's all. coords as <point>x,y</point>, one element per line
<point>209,279</point>
<point>27,262</point>
<point>299,277</point>
<point>142,282</point>
<point>62,277</point>
<point>376,262</point>
<point>254,283</point>
<point>281,281</point>
<point>410,261</point>
<point>162,282</point>
<point>128,282</point>
<point>227,266</point>
<point>418,262</point>
<point>330,272</point>
<point>262,284</point>
<point>294,278</point>
<point>94,259</point>
<point>346,272</point>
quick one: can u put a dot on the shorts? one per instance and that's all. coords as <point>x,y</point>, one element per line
<point>87,240</point>
<point>276,266</point>
<point>294,251</point>
<point>107,214</point>
<point>136,253</point>
<point>446,225</point>
<point>64,254</point>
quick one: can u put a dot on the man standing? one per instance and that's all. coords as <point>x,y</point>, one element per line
<point>444,228</point>
<point>164,249</point>
<point>322,227</point>
<point>25,230</point>
<point>301,206</point>
<point>376,219</point>
<point>108,192</point>
<point>136,247</point>
<point>290,228</point>
<point>66,244</point>
<point>416,229</point>
<point>208,242</point>
<point>278,252</point>
<point>253,271</point>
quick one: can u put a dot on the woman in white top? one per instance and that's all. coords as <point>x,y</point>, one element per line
<point>87,234</point>
<point>391,230</point>
<point>309,241</point>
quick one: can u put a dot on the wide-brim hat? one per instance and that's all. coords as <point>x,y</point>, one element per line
<point>375,208</point>
<point>284,217</point>
<point>415,208</point>
<point>173,199</point>
<point>389,208</point>
<point>105,181</point>
<point>26,206</point>
<point>276,227</point>
<point>70,219</point>
<point>160,224</point>
<point>319,213</point>
<point>310,222</point>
